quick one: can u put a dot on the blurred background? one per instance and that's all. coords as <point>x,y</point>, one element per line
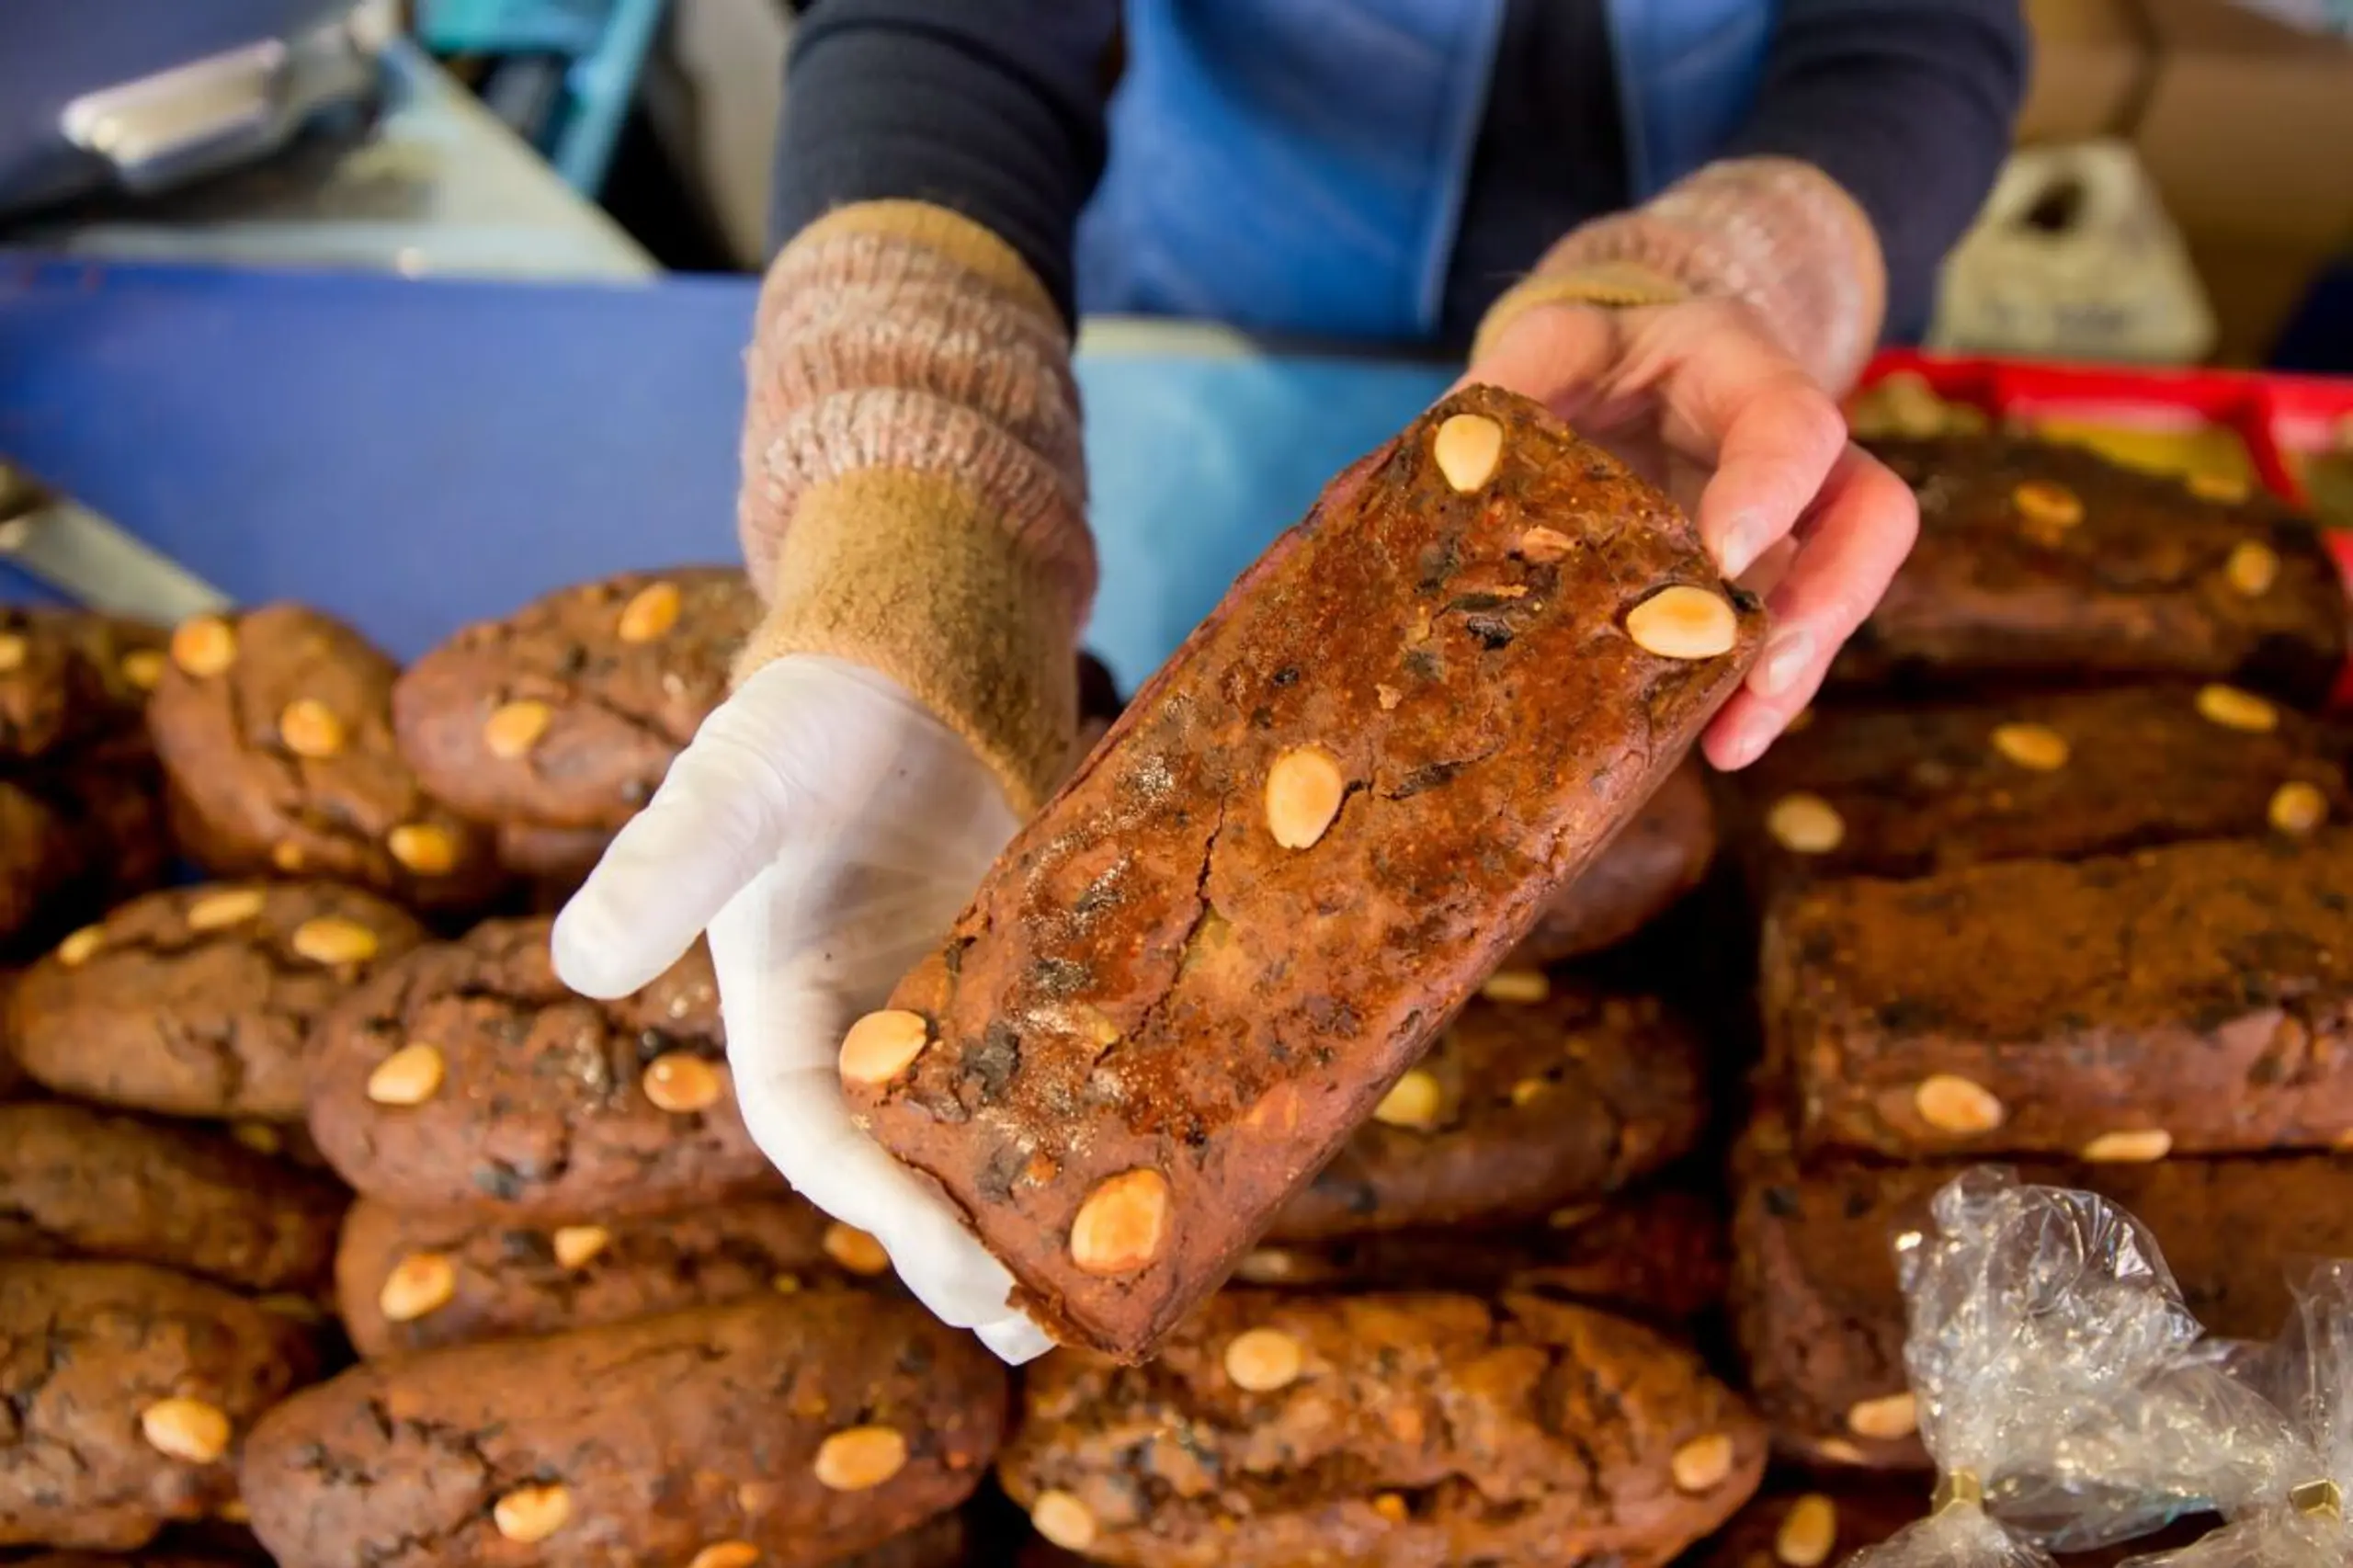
<point>2182,192</point>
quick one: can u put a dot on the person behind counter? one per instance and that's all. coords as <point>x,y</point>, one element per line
<point>1682,223</point>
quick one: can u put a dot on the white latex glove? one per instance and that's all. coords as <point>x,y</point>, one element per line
<point>826,831</point>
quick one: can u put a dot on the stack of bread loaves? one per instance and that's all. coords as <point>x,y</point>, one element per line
<point>2098,931</point>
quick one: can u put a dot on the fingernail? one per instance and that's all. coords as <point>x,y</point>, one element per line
<point>1741,750</point>
<point>1786,657</point>
<point>1745,537</point>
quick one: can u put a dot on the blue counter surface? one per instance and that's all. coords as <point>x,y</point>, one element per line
<point>415,454</point>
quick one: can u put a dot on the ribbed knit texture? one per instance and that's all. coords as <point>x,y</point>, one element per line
<point>914,494</point>
<point>1778,233</point>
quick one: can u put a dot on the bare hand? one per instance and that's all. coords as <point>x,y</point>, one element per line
<point>1699,399</point>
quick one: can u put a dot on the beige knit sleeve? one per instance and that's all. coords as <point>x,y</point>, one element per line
<point>1774,231</point>
<point>914,490</point>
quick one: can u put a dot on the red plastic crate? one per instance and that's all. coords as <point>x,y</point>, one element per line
<point>2276,418</point>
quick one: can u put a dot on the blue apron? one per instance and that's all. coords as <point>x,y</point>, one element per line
<point>1298,166</point>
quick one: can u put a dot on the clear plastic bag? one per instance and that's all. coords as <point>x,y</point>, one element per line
<point>2284,1486</point>
<point>2064,1390</point>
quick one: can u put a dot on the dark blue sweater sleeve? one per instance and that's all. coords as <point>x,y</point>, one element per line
<point>1909,106</point>
<point>994,111</point>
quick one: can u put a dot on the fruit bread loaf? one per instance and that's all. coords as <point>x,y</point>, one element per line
<point>199,1001</point>
<point>412,1279</point>
<point>1820,1317</point>
<point>1384,1430</point>
<point>568,712</point>
<point>467,1074</point>
<point>125,1388</point>
<point>1889,790</point>
<point>783,1430</point>
<point>1325,821</point>
<point>1545,1090</point>
<point>1656,858</point>
<point>2197,997</point>
<point>1656,1256</point>
<point>81,1183</point>
<point>275,728</point>
<point>2041,562</point>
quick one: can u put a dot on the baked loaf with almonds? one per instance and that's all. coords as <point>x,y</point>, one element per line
<point>1384,1430</point>
<point>413,1279</point>
<point>783,1430</point>
<point>1820,1314</point>
<point>1325,820</point>
<point>275,730</point>
<point>127,1389</point>
<point>468,1074</point>
<point>1904,791</point>
<point>2195,998</point>
<point>199,1001</point>
<point>2044,562</point>
<point>1546,1090</point>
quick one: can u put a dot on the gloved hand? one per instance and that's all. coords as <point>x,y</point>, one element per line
<point>826,829</point>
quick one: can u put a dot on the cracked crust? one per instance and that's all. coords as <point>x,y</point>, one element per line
<point>2136,589</point>
<point>85,1349</point>
<point>541,1109</point>
<point>509,1281</point>
<point>1541,1105</point>
<point>397,1464</point>
<point>2199,991</point>
<point>1661,854</point>
<point>1522,1431</point>
<point>618,712</point>
<point>1494,725</point>
<point>77,1182</point>
<point>1657,1255</point>
<point>212,1023</point>
<point>1924,788</point>
<point>246,804</point>
<point>1820,1317</point>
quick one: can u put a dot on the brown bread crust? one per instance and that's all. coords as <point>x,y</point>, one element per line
<point>1923,788</point>
<point>78,1182</point>
<point>249,801</point>
<point>1820,1317</point>
<point>213,1022</point>
<point>400,1463</point>
<point>1493,722</point>
<point>1660,856</point>
<point>508,1279</point>
<point>2137,588</point>
<point>1524,1431</point>
<point>86,1348</point>
<point>617,711</point>
<point>2199,991</point>
<point>1658,1256</point>
<point>1540,1104</point>
<point>542,1107</point>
